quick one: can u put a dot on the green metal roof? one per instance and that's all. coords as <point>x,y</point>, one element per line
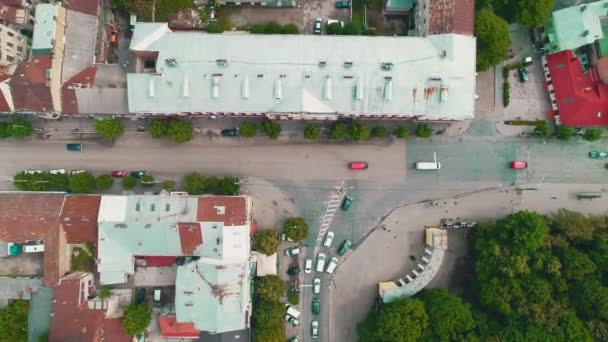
<point>429,77</point>
<point>44,30</point>
<point>576,26</point>
<point>399,5</point>
<point>213,296</point>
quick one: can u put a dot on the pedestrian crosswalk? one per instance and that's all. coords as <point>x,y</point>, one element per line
<point>332,206</point>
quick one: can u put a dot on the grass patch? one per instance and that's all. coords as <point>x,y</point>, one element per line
<point>293,297</point>
<point>83,258</point>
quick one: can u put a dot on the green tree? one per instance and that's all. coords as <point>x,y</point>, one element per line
<point>194,183</point>
<point>380,132</point>
<point>450,319</point>
<point>180,131</point>
<point>248,129</point>
<point>290,29</point>
<point>591,299</point>
<point>13,321</point>
<point>403,320</point>
<point>136,318</point>
<point>20,128</point>
<point>164,8</point>
<point>572,224</point>
<point>424,131</point>
<point>82,183</point>
<point>334,28</point>
<point>105,293</point>
<point>270,287</point>
<point>158,128</point>
<point>5,131</point>
<point>576,265</point>
<point>542,129</point>
<point>169,185</point>
<point>271,128</point>
<point>257,28</point>
<point>103,182</point>
<point>351,29</point>
<point>493,41</point>
<point>312,131</point>
<point>214,28</point>
<point>273,28</point>
<point>229,186</point>
<point>147,181</point>
<point>564,132</point>
<point>22,181</point>
<point>129,182</point>
<point>593,134</point>
<point>267,319</point>
<point>360,131</point>
<point>402,132</point>
<point>266,242</point>
<point>533,13</point>
<point>338,131</point>
<point>296,228</point>
<point>60,182</point>
<point>109,129</point>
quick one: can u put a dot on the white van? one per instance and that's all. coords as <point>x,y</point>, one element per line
<point>33,247</point>
<point>292,312</point>
<point>428,165</point>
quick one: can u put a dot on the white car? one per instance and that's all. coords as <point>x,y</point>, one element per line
<point>329,238</point>
<point>32,172</point>
<point>320,262</point>
<point>75,172</point>
<point>314,329</point>
<point>57,172</point>
<point>292,320</point>
<point>333,263</point>
<point>308,265</point>
<point>316,286</point>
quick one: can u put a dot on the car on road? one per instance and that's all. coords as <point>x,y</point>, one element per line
<point>75,172</point>
<point>318,25</point>
<point>308,265</point>
<point>523,74</point>
<point>519,164</point>
<point>293,270</point>
<point>314,329</point>
<point>316,306</point>
<point>344,247</point>
<point>284,237</point>
<point>346,203</point>
<point>598,155</point>
<point>329,238</point>
<point>358,165</point>
<point>139,174</point>
<point>343,4</point>
<point>232,132</point>
<point>292,320</point>
<point>333,263</point>
<point>316,286</point>
<point>119,173</point>
<point>57,172</point>
<point>291,311</point>
<point>292,251</point>
<point>74,147</point>
<point>320,262</point>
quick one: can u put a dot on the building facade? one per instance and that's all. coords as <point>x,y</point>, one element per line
<point>14,46</point>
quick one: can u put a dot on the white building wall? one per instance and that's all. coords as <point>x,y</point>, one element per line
<point>14,47</point>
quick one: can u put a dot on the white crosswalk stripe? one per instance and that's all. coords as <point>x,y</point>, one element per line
<point>332,206</point>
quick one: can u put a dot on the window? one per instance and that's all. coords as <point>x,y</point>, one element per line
<point>9,44</point>
<point>10,58</point>
<point>20,48</point>
<point>10,34</point>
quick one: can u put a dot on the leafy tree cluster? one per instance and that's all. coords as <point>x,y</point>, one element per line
<point>13,321</point>
<point>266,242</point>
<point>359,131</point>
<point>271,128</point>
<point>248,129</point>
<point>17,128</point>
<point>274,28</point>
<point>136,319</point>
<point>493,41</point>
<point>178,131</point>
<point>81,183</point>
<point>312,131</point>
<point>296,228</point>
<point>197,184</point>
<point>268,312</point>
<point>109,129</point>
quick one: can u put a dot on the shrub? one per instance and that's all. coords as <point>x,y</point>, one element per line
<point>293,297</point>
<point>128,182</point>
<point>20,128</point>
<point>593,134</point>
<point>312,131</point>
<point>296,228</point>
<point>424,131</point>
<point>109,129</point>
<point>103,182</point>
<point>248,129</point>
<point>147,181</point>
<point>82,183</point>
<point>505,71</point>
<point>257,28</point>
<point>105,293</point>
<point>360,131</point>
<point>273,28</point>
<point>214,28</point>
<point>564,132</point>
<point>266,242</point>
<point>338,131</point>
<point>4,130</point>
<point>402,132</point>
<point>506,93</point>
<point>271,128</point>
<point>158,128</point>
<point>351,29</point>
<point>180,131</point>
<point>334,28</point>
<point>169,185</point>
<point>136,318</point>
<point>270,287</point>
<point>543,129</point>
<point>290,29</point>
<point>380,132</point>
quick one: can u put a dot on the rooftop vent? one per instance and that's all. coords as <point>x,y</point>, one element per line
<point>171,62</point>
<point>120,225</point>
<point>260,75</point>
<point>585,33</point>
<point>348,64</point>
<point>215,226</point>
<point>148,226</point>
<point>327,88</point>
<point>386,66</point>
<point>245,87</point>
<point>186,87</point>
<point>278,89</point>
<point>217,241</point>
<point>388,89</point>
<point>359,89</point>
<point>220,209</point>
<point>215,88</point>
<point>443,93</point>
<point>322,64</point>
<point>221,62</point>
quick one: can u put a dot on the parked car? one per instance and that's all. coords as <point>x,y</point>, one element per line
<point>139,174</point>
<point>294,339</point>
<point>316,306</point>
<point>523,74</point>
<point>316,286</point>
<point>358,165</point>
<point>343,4</point>
<point>320,262</point>
<point>334,21</point>
<point>333,263</point>
<point>284,237</point>
<point>293,270</point>
<point>519,164</point>
<point>598,155</point>
<point>308,266</point>
<point>318,25</point>
<point>157,296</point>
<point>75,172</point>
<point>291,311</point>
<point>74,147</point>
<point>314,329</point>
<point>329,238</point>
<point>344,247</point>
<point>32,172</point>
<point>292,320</point>
<point>57,172</point>
<point>526,61</point>
<point>346,203</point>
<point>141,296</point>
<point>232,132</point>
<point>292,251</point>
<point>119,173</point>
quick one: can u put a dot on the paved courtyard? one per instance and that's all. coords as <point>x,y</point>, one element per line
<point>29,264</point>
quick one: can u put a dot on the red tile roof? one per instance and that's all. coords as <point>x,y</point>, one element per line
<point>112,331</point>
<point>235,210</point>
<point>28,85</point>
<point>79,218</point>
<point>190,236</point>
<point>83,79</point>
<point>85,6</point>
<point>28,216</point>
<point>451,16</point>
<point>3,103</point>
<point>580,97</point>
<point>170,328</point>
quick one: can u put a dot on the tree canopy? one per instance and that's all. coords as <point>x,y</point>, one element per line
<point>197,184</point>
<point>158,128</point>
<point>247,129</point>
<point>312,131</point>
<point>266,242</point>
<point>593,134</point>
<point>82,183</point>
<point>403,320</point>
<point>13,321</point>
<point>109,129</point>
<point>564,132</point>
<point>268,321</point>
<point>493,41</point>
<point>103,182</point>
<point>296,228</point>
<point>136,319</point>
<point>533,13</point>
<point>360,131</point>
<point>270,287</point>
<point>180,131</point>
<point>450,319</point>
<point>338,131</point>
<point>20,128</point>
<point>129,182</point>
<point>424,131</point>
<point>271,128</point>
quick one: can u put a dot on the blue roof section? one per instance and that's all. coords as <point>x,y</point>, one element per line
<point>39,316</point>
<point>44,30</point>
<point>576,26</point>
<point>213,295</point>
<point>430,78</point>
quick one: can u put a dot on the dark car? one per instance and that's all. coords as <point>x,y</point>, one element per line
<point>293,270</point>
<point>138,174</point>
<point>74,147</point>
<point>343,4</point>
<point>141,296</point>
<point>345,246</point>
<point>318,26</point>
<point>316,306</point>
<point>232,132</point>
<point>523,74</point>
<point>346,203</point>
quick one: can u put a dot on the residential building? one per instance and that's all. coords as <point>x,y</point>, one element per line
<point>301,76</point>
<point>444,16</point>
<point>17,12</point>
<point>14,46</point>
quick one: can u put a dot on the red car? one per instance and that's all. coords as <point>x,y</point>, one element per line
<point>518,164</point>
<point>119,173</point>
<point>359,165</point>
